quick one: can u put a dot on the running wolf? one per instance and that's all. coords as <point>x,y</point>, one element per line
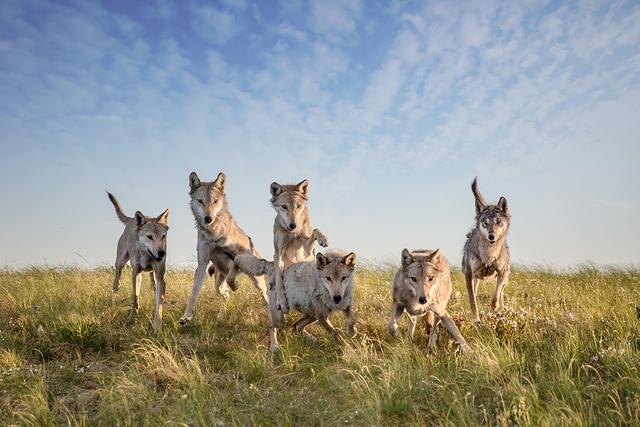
<point>316,289</point>
<point>422,287</point>
<point>144,244</point>
<point>486,253</point>
<point>220,240</point>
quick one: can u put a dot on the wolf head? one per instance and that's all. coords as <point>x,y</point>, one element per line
<point>152,233</point>
<point>421,270</point>
<point>207,198</point>
<point>336,272</point>
<point>491,220</point>
<point>290,203</point>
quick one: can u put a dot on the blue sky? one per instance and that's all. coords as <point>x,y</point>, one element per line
<point>388,108</point>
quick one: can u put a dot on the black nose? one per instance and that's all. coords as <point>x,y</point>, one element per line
<point>292,226</point>
<point>422,300</point>
<point>491,237</point>
<point>161,254</point>
<point>207,219</point>
<point>337,298</point>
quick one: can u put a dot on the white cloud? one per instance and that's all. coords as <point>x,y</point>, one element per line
<point>332,17</point>
<point>213,25</point>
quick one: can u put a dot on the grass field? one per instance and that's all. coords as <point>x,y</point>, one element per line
<point>565,351</point>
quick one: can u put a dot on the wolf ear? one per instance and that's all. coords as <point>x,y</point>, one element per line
<point>220,181</point>
<point>349,259</point>
<point>406,257</point>
<point>140,219</point>
<point>275,189</point>
<point>194,181</point>
<point>434,256</point>
<point>303,187</point>
<point>321,261</point>
<point>163,217</point>
<point>502,204</point>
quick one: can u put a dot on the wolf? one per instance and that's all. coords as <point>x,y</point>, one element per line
<point>316,289</point>
<point>293,236</point>
<point>220,240</point>
<point>144,244</point>
<point>422,288</point>
<point>486,253</point>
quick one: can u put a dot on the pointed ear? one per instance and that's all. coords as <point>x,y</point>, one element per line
<point>163,217</point>
<point>303,187</point>
<point>349,259</point>
<point>502,204</point>
<point>275,189</point>
<point>140,219</point>
<point>321,261</point>
<point>479,206</point>
<point>406,257</point>
<point>194,181</point>
<point>220,181</point>
<point>434,256</point>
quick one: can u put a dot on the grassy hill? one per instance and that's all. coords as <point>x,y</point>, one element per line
<point>564,351</point>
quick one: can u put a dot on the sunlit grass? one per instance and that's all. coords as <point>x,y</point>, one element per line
<point>564,351</point>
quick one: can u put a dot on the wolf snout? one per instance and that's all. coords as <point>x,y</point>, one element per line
<point>491,237</point>
<point>292,226</point>
<point>161,254</point>
<point>337,298</point>
<point>207,219</point>
<point>422,300</point>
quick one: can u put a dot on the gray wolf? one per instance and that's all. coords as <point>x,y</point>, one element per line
<point>293,236</point>
<point>486,253</point>
<point>220,240</point>
<point>422,288</point>
<point>144,244</point>
<point>316,289</point>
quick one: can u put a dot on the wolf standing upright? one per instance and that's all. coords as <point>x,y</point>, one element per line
<point>144,243</point>
<point>293,236</point>
<point>486,253</point>
<point>220,240</point>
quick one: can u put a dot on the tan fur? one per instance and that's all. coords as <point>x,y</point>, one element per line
<point>422,287</point>
<point>293,236</point>
<point>316,289</point>
<point>143,243</point>
<point>220,240</point>
<point>486,253</point>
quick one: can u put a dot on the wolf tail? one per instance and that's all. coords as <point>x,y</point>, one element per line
<point>476,192</point>
<point>121,216</point>
<point>252,265</point>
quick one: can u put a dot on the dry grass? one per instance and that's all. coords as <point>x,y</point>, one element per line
<point>564,352</point>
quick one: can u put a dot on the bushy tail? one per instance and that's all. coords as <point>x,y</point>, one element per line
<point>121,216</point>
<point>476,192</point>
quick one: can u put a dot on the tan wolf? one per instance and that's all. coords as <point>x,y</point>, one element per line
<point>486,253</point>
<point>293,236</point>
<point>316,289</point>
<point>144,244</point>
<point>422,287</point>
<point>220,240</point>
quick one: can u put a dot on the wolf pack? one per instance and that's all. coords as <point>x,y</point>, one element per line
<point>313,283</point>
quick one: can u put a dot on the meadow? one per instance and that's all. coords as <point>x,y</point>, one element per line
<point>563,351</point>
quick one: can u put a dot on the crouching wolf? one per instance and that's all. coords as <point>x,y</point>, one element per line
<point>316,289</point>
<point>144,244</point>
<point>422,287</point>
<point>220,240</point>
<point>486,253</point>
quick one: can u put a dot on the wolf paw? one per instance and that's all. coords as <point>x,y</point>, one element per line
<point>352,331</point>
<point>184,321</point>
<point>233,285</point>
<point>321,238</point>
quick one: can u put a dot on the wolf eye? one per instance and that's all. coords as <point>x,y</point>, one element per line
<point>328,278</point>
<point>414,280</point>
<point>215,200</point>
<point>149,236</point>
<point>284,207</point>
<point>498,221</point>
<point>164,237</point>
<point>430,278</point>
<point>200,201</point>
<point>343,278</point>
<point>298,205</point>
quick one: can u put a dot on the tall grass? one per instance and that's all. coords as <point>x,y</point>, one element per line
<point>564,351</point>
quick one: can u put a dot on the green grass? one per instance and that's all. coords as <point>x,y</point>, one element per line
<point>565,351</point>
